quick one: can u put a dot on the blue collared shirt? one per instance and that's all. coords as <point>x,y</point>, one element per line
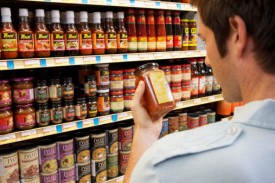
<point>240,151</point>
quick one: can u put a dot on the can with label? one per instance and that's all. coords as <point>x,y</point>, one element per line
<point>49,177</point>
<point>183,121</point>
<point>47,158</point>
<point>173,124</point>
<point>112,166</point>
<point>82,149</point>
<point>164,130</point>
<point>32,180</point>
<point>28,163</point>
<point>9,168</point>
<point>66,175</point>
<point>125,138</point>
<point>83,172</point>
<point>65,153</point>
<point>123,161</point>
<point>99,170</point>
<point>112,141</point>
<point>98,146</point>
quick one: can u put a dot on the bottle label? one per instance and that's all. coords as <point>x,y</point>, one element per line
<point>42,117</point>
<point>25,119</point>
<point>193,37</point>
<point>160,20</point>
<point>6,123</point>
<point>72,42</point>
<point>110,40</point>
<point>122,40</point>
<point>99,41</point>
<point>142,43</point>
<point>177,41</point>
<point>202,85</point>
<point>5,97</point>
<point>168,20</point>
<point>42,42</point>
<point>151,44</point>
<point>176,21</point>
<point>26,42</point>
<point>41,93</point>
<point>102,77</point>
<point>169,41</point>
<point>9,41</point>
<point>161,87</point>
<point>150,20</point>
<point>194,86</point>
<point>56,114</point>
<point>23,95</point>
<point>89,88</point>
<point>208,83</point>
<point>161,42</point>
<point>68,112</point>
<point>185,37</point>
<point>55,92</point>
<point>103,103</point>
<point>58,42</point>
<point>86,41</point>
<point>132,43</point>
<point>131,19</point>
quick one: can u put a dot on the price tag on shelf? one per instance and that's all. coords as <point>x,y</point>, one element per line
<point>175,54</point>
<point>123,115</point>
<point>29,134</point>
<point>69,126</point>
<point>133,57</point>
<point>117,58</point>
<point>171,5</point>
<point>61,61</point>
<point>211,98</point>
<point>179,104</point>
<point>88,123</point>
<point>187,6</point>
<point>202,52</point>
<point>3,65</point>
<point>105,119</point>
<point>197,101</point>
<point>158,55</point>
<point>124,2</point>
<point>69,1</point>
<point>150,4</point>
<point>105,59</point>
<point>139,3</point>
<point>89,60</point>
<point>120,179</point>
<point>189,53</point>
<point>144,55</point>
<point>32,63</point>
<point>49,130</point>
<point>6,139</point>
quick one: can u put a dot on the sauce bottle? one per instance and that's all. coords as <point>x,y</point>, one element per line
<point>122,35</point>
<point>169,31</point>
<point>8,35</point>
<point>42,35</point>
<point>85,43</point>
<point>185,34</point>
<point>208,81</point>
<point>151,31</point>
<point>201,72</point>
<point>177,32</point>
<point>194,79</point>
<point>57,35</point>
<point>110,34</point>
<point>192,35</point>
<point>72,39</point>
<point>161,31</point>
<point>132,32</point>
<point>25,36</point>
<point>98,35</point>
<point>141,31</point>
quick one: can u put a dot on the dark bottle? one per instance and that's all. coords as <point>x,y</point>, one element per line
<point>122,35</point>
<point>110,34</point>
<point>208,81</point>
<point>194,79</point>
<point>201,71</point>
<point>169,31</point>
<point>72,39</point>
<point>177,38</point>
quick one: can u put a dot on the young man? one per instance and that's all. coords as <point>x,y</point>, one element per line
<point>240,43</point>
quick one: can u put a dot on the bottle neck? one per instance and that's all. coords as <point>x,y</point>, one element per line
<point>109,23</point>
<point>96,26</point>
<point>56,26</point>
<point>7,25</point>
<point>121,24</point>
<point>84,25</point>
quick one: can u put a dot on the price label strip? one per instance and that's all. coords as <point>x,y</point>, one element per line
<point>3,65</point>
<point>89,60</point>
<point>69,126</point>
<point>61,61</point>
<point>6,139</point>
<point>197,101</point>
<point>49,130</point>
<point>31,63</point>
<point>105,119</point>
<point>29,134</point>
<point>122,116</point>
<point>88,123</point>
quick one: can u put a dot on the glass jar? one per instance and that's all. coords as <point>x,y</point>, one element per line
<point>6,120</point>
<point>158,96</point>
<point>90,86</point>
<point>186,91</point>
<point>103,102</point>
<point>176,91</point>
<point>24,117</point>
<point>192,120</point>
<point>102,77</point>
<point>68,89</point>
<point>167,72</point>
<point>128,98</point>
<point>55,90</point>
<point>92,107</point>
<point>56,112</point>
<point>23,91</point>
<point>129,79</point>
<point>41,91</point>
<point>68,110</point>
<point>42,114</point>
<point>186,72</point>
<point>116,80</point>
<point>176,73</point>
<point>5,93</point>
<point>81,108</point>
<point>117,102</point>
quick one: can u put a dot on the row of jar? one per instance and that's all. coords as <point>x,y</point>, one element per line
<point>84,158</point>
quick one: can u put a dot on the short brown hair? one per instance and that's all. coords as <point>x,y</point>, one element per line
<point>259,17</point>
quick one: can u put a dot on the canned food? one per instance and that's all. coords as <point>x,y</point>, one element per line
<point>183,121</point>
<point>49,177</point>
<point>164,130</point>
<point>28,163</point>
<point>9,169</point>
<point>125,136</point>
<point>66,175</point>
<point>83,172</point>
<point>192,120</point>
<point>112,141</point>
<point>65,153</point>
<point>82,149</point>
<point>123,161</point>
<point>98,144</point>
<point>99,170</point>
<point>173,123</point>
<point>112,165</point>
<point>32,180</point>
<point>47,158</point>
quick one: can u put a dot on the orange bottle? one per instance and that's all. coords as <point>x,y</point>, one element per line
<point>85,37</point>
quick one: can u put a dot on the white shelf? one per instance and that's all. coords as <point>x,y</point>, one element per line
<point>95,59</point>
<point>127,3</point>
<point>91,122</point>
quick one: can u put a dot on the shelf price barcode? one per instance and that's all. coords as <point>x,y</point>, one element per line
<point>28,134</point>
<point>6,139</point>
<point>69,126</point>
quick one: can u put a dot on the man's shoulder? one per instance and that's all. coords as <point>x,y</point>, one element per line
<point>198,140</point>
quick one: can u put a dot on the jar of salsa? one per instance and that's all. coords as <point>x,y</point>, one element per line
<point>186,91</point>
<point>176,74</point>
<point>5,93</point>
<point>8,35</point>
<point>68,89</point>
<point>176,91</point>
<point>41,91</point>
<point>68,110</point>
<point>24,117</point>
<point>158,96</point>
<point>55,90</point>
<point>42,114</point>
<point>102,76</point>
<point>92,107</point>
<point>128,98</point>
<point>81,108</point>
<point>116,100</point>
<point>90,86</point>
<point>56,112</point>
<point>129,79</point>
<point>6,120</point>
<point>103,102</point>
<point>116,80</point>
<point>23,90</point>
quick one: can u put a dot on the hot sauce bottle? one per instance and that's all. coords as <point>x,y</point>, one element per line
<point>57,35</point>
<point>177,32</point>
<point>132,32</point>
<point>42,35</point>
<point>122,35</point>
<point>98,35</point>
<point>141,31</point>
<point>160,31</point>
<point>8,35</point>
<point>72,39</point>
<point>169,31</point>
<point>110,34</point>
<point>85,43</point>
<point>151,31</point>
<point>25,35</point>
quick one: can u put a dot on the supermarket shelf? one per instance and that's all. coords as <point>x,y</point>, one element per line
<point>127,3</point>
<point>116,180</point>
<point>95,59</point>
<point>91,122</point>
<point>227,119</point>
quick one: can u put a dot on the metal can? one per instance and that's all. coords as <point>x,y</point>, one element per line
<point>202,118</point>
<point>173,124</point>
<point>66,175</point>
<point>83,172</point>
<point>28,163</point>
<point>112,141</point>
<point>183,121</point>
<point>192,120</point>
<point>47,158</point>
<point>112,166</point>
<point>123,161</point>
<point>82,149</point>
<point>99,171</point>
<point>9,169</point>
<point>32,180</point>
<point>98,145</point>
<point>164,130</point>
<point>65,153</point>
<point>125,138</point>
<point>49,177</point>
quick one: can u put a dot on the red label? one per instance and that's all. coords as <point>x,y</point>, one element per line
<point>25,119</point>
<point>177,41</point>
<point>5,97</point>
<point>131,19</point>
<point>203,120</point>
<point>168,20</point>
<point>141,20</point>
<point>176,20</point>
<point>192,122</point>
<point>23,95</point>
<point>160,20</point>
<point>150,20</point>
<point>6,123</point>
<point>169,41</point>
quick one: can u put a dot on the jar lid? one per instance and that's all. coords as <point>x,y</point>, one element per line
<point>160,12</point>
<point>102,65</point>
<point>186,82</point>
<point>164,67</point>
<point>24,105</point>
<point>42,106</point>
<point>176,13</point>
<point>120,15</point>
<point>103,91</point>
<point>129,91</point>
<point>55,81</point>
<point>5,109</point>
<point>3,81</point>
<point>192,60</point>
<point>186,65</point>
<point>89,78</point>
<point>202,113</point>
<point>208,111</point>
<point>129,70</point>
<point>193,21</point>
<point>41,82</point>
<point>22,79</point>
<point>91,98</point>
<point>145,66</point>
<point>175,84</point>
<point>68,102</point>
<point>184,20</point>
<point>193,115</point>
<point>175,66</point>
<point>56,103</point>
<point>116,72</point>
<point>200,60</point>
<point>116,93</point>
<point>81,99</point>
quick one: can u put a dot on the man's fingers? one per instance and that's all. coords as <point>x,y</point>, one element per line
<point>139,93</point>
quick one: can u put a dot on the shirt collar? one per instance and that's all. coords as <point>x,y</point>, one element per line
<point>257,113</point>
